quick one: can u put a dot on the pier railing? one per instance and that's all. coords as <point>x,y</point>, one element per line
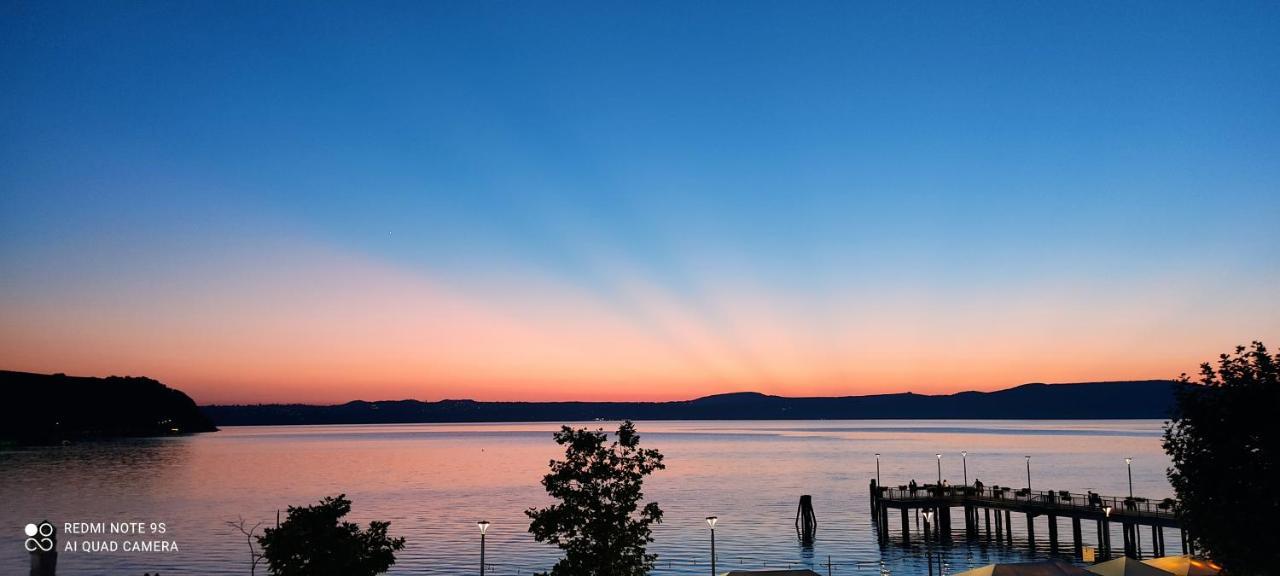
<point>997,495</point>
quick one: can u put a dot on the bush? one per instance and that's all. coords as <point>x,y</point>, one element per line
<point>313,541</point>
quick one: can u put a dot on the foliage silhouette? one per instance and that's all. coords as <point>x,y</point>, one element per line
<point>313,541</point>
<point>598,521</point>
<point>1225,446</point>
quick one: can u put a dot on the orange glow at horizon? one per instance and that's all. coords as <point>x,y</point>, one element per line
<point>311,325</point>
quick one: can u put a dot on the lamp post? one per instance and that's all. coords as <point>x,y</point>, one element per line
<point>711,521</point>
<point>1028,477</point>
<point>964,461</point>
<point>877,469</point>
<point>928,518</point>
<point>939,472</point>
<point>1128,462</point>
<point>1137,534</point>
<point>1106,529</point>
<point>484,527</point>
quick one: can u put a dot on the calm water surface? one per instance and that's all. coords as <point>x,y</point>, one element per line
<point>433,481</point>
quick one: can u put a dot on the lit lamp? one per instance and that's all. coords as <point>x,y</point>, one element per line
<point>484,527</point>
<point>939,471</point>
<point>964,461</point>
<point>711,521</point>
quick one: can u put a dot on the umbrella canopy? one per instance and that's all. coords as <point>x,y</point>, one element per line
<point>771,573</point>
<point>1184,566</point>
<point>1126,566</point>
<point>1053,568</point>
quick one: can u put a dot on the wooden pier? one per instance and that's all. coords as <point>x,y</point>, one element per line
<point>983,504</point>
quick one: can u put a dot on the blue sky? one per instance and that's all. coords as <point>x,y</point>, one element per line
<point>805,153</point>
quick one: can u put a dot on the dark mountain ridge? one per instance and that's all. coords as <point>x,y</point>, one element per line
<point>1086,400</point>
<point>40,408</point>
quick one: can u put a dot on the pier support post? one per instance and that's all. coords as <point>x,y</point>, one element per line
<point>987,512</point>
<point>999,527</point>
<point>882,517</point>
<point>1076,544</point>
<point>906,527</point>
<point>1155,541</point>
<point>1008,527</point>
<point>1031,530</point>
<point>1053,534</point>
<point>1104,538</point>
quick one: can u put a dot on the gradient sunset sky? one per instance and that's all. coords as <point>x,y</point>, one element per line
<point>318,202</point>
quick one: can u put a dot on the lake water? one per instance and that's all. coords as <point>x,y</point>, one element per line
<point>434,481</point>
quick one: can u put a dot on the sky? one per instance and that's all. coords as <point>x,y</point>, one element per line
<point>319,202</point>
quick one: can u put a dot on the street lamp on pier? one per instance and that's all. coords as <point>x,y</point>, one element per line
<point>928,519</point>
<point>711,521</point>
<point>1128,462</point>
<point>484,527</point>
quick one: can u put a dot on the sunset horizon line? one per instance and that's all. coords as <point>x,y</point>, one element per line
<point>624,399</point>
<point>700,396</point>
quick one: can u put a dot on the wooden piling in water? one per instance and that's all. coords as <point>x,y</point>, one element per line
<point>1076,542</point>
<point>1053,534</point>
<point>806,520</point>
<point>44,562</point>
<point>883,516</point>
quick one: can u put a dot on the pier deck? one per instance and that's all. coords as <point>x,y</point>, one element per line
<point>980,504</point>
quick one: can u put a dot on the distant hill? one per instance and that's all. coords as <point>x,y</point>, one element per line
<point>1090,400</point>
<point>39,408</point>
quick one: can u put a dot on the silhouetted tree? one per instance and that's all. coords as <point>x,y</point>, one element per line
<point>598,521</point>
<point>313,541</point>
<point>1225,446</point>
<point>250,534</point>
